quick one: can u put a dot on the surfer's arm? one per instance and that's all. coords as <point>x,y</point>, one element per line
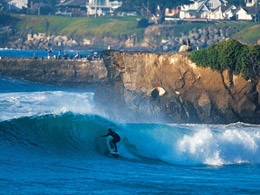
<point>105,135</point>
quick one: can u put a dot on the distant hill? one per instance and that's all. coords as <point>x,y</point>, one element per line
<point>122,31</point>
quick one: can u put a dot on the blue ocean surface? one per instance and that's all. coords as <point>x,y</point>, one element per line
<point>50,144</point>
<point>42,54</point>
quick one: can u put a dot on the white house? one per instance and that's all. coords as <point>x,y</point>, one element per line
<point>102,7</point>
<point>200,9</point>
<point>250,3</point>
<point>223,12</point>
<point>215,10</point>
<point>18,4</point>
<point>87,7</point>
<point>242,14</point>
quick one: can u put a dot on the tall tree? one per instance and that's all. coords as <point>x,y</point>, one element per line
<point>152,8</point>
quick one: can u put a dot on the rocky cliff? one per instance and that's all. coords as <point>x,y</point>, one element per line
<point>71,73</point>
<point>145,86</point>
<point>168,86</point>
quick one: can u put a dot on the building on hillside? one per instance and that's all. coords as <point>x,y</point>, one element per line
<point>250,3</point>
<point>102,7</point>
<point>172,12</point>
<point>98,7</point>
<point>72,7</point>
<point>87,7</point>
<point>242,14</point>
<point>15,5</point>
<point>200,9</point>
<point>223,12</point>
<point>209,10</point>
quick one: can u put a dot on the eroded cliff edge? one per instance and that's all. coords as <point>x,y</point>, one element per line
<point>126,87</point>
<point>69,73</point>
<point>192,94</point>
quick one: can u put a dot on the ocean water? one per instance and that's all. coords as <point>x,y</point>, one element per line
<point>19,53</point>
<point>50,144</point>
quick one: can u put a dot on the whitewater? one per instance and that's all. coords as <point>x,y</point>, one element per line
<point>50,143</point>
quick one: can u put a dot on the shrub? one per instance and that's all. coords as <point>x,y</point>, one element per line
<point>231,55</point>
<point>143,23</point>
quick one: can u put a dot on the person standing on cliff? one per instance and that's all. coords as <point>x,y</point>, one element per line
<point>116,139</point>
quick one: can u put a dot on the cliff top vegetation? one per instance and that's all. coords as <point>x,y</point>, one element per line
<point>230,55</point>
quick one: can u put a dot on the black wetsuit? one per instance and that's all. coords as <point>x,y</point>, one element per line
<point>116,137</point>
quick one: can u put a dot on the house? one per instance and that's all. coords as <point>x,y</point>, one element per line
<point>242,14</point>
<point>250,3</point>
<point>87,7</point>
<point>16,5</point>
<point>202,10</point>
<point>102,7</point>
<point>172,12</point>
<point>72,7</point>
<point>98,7</point>
<point>223,12</point>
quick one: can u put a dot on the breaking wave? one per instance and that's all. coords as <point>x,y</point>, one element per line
<point>73,134</point>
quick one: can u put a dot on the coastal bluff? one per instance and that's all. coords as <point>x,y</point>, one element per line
<point>69,73</point>
<point>169,86</point>
<point>145,86</point>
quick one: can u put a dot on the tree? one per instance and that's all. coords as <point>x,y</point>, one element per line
<point>237,2</point>
<point>152,8</point>
<point>50,3</point>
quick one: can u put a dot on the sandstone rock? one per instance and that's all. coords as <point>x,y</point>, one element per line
<point>185,48</point>
<point>157,92</point>
<point>194,94</point>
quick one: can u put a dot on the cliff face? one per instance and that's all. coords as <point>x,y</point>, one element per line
<point>137,81</point>
<point>143,86</point>
<point>57,72</point>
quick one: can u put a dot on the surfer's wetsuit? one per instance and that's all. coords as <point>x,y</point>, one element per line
<point>116,138</point>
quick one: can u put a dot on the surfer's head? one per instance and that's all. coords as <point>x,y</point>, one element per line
<point>109,130</point>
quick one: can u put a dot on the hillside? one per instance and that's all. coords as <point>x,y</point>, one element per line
<point>120,32</point>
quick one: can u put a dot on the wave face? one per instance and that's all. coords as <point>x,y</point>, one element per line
<point>69,134</point>
<point>63,134</point>
<point>196,144</point>
<point>39,118</point>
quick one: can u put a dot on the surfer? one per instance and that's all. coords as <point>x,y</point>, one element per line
<point>116,139</point>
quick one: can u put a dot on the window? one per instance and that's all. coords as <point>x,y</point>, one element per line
<point>210,4</point>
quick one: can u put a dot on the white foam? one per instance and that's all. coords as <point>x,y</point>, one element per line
<point>196,144</point>
<point>17,104</point>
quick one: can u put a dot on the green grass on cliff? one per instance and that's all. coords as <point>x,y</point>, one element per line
<point>230,55</point>
<point>249,35</point>
<point>246,32</point>
<point>64,25</point>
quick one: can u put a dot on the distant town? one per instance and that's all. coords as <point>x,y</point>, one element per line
<point>198,10</point>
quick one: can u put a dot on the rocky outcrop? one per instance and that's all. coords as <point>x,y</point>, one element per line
<point>156,38</point>
<point>42,41</point>
<point>71,73</point>
<point>146,86</point>
<point>192,94</point>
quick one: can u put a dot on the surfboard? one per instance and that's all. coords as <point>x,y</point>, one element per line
<point>114,153</point>
<point>111,150</point>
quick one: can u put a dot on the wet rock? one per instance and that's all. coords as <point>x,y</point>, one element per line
<point>193,94</point>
